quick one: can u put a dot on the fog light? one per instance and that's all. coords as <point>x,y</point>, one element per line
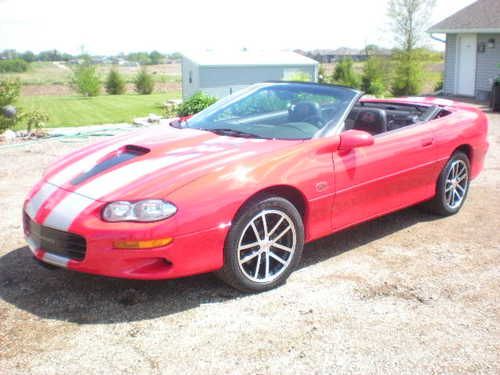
<point>149,244</point>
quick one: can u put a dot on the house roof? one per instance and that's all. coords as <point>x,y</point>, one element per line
<point>483,16</point>
<point>248,58</point>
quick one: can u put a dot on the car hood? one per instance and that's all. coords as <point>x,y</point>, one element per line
<point>153,162</point>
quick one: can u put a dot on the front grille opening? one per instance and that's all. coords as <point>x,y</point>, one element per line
<point>120,156</point>
<point>66,244</point>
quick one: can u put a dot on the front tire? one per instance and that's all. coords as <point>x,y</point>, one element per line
<point>452,186</point>
<point>263,246</point>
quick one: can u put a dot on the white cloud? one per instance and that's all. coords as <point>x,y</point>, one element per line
<point>115,26</point>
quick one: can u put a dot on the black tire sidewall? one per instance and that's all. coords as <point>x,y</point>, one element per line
<point>233,274</point>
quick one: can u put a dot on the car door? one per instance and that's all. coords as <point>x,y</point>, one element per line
<point>398,170</point>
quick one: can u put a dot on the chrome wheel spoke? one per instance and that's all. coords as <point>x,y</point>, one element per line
<point>264,223</point>
<point>249,257</point>
<point>276,226</point>
<point>248,246</point>
<point>257,267</point>
<point>255,231</point>
<point>267,265</point>
<point>450,196</point>
<point>282,247</point>
<point>278,237</point>
<point>275,257</point>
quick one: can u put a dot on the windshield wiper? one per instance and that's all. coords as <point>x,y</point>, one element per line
<point>234,133</point>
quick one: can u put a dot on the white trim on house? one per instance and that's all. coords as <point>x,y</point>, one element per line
<point>464,31</point>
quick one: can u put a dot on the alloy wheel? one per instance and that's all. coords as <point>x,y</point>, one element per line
<point>456,183</point>
<point>266,246</point>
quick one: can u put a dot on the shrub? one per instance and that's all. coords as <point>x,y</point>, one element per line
<point>439,84</point>
<point>322,76</point>
<point>374,78</point>
<point>144,83</point>
<point>344,74</point>
<point>13,66</point>
<point>34,119</point>
<point>9,92</point>
<point>115,84</point>
<point>300,77</point>
<point>408,76</point>
<point>86,81</point>
<point>195,104</point>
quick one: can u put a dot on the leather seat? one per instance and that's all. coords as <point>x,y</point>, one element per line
<point>371,120</point>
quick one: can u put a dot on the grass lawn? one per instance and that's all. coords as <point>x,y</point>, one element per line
<point>105,109</point>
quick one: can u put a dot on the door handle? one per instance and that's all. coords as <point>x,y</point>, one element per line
<point>427,142</point>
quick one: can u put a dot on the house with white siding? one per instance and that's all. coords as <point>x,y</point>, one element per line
<point>472,57</point>
<point>220,73</point>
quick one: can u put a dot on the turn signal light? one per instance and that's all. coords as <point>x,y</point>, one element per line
<point>149,244</point>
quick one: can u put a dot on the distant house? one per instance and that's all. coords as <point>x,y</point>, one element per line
<point>222,73</point>
<point>327,56</point>
<point>472,57</point>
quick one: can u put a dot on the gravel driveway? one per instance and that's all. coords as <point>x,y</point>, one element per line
<point>407,293</point>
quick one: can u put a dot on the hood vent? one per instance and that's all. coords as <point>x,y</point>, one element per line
<point>122,155</point>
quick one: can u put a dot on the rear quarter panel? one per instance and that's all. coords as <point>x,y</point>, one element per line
<point>464,126</point>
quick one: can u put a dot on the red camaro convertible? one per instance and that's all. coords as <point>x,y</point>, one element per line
<point>240,187</point>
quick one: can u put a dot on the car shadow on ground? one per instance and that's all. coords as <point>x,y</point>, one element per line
<point>85,299</point>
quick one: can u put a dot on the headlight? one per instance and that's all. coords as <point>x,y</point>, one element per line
<point>146,210</point>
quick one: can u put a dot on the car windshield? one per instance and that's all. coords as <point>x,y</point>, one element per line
<point>277,111</point>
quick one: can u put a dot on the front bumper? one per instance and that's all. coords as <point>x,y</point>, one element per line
<point>188,254</point>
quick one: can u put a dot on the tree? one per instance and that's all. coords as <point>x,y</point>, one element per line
<point>408,21</point>
<point>373,80</point>
<point>144,83</point>
<point>28,56</point>
<point>156,58</point>
<point>409,73</point>
<point>86,80</point>
<point>322,76</point>
<point>344,73</point>
<point>115,84</point>
<point>139,57</point>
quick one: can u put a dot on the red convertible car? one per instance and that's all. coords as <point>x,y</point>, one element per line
<point>240,187</point>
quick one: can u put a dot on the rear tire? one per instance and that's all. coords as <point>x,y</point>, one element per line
<point>263,246</point>
<point>452,186</point>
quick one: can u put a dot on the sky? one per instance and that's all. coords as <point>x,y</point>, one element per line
<point>111,26</point>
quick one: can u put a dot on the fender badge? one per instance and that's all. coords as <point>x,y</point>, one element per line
<point>321,186</point>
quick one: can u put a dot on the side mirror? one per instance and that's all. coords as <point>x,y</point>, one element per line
<point>355,138</point>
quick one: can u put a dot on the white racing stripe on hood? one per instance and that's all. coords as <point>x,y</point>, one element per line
<point>73,204</point>
<point>118,178</point>
<point>38,199</point>
<point>89,161</point>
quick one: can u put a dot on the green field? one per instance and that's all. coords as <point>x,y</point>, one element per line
<point>106,109</point>
<point>48,73</point>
